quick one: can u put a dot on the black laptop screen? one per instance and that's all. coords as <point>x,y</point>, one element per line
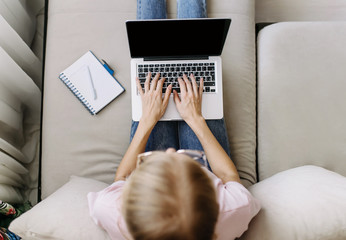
<point>177,38</point>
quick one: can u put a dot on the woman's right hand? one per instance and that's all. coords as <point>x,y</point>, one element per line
<point>154,105</point>
<point>189,104</point>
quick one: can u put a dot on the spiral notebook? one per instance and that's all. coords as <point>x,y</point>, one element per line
<point>91,83</point>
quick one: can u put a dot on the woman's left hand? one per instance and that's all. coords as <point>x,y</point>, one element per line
<point>189,104</point>
<point>154,105</point>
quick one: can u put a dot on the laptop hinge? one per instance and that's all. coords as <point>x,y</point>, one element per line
<point>176,58</point>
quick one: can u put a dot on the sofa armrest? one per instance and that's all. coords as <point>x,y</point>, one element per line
<point>301,96</point>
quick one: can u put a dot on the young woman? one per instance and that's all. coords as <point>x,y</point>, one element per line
<point>168,194</point>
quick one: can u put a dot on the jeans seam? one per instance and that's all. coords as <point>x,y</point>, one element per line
<point>178,133</point>
<point>139,9</point>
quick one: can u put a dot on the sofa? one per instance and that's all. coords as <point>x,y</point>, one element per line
<point>284,107</point>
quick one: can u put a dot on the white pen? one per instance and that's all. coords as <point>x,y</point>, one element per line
<point>92,83</point>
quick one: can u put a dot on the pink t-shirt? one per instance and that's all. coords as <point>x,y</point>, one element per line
<point>237,208</point>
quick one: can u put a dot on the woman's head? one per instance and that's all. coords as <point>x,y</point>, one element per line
<point>169,196</point>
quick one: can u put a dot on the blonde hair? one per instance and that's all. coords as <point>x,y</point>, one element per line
<point>169,196</point>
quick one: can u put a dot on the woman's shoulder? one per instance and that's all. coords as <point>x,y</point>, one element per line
<point>231,195</point>
<point>110,193</point>
<point>237,208</point>
<point>105,209</point>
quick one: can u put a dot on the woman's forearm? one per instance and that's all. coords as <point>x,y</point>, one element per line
<point>219,161</point>
<point>153,108</point>
<point>137,146</point>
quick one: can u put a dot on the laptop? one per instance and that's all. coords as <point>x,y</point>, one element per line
<point>174,47</point>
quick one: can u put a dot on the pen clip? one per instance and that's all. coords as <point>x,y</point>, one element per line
<point>107,67</point>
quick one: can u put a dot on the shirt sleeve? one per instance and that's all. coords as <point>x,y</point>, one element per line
<point>237,208</point>
<point>105,210</point>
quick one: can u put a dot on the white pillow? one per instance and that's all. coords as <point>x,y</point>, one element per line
<point>307,203</point>
<point>64,213</point>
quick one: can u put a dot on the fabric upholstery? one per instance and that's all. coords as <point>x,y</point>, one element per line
<point>300,115</point>
<point>10,194</point>
<point>76,143</point>
<point>20,97</point>
<point>64,213</point>
<point>301,96</point>
<point>17,15</point>
<point>297,10</point>
<point>307,203</point>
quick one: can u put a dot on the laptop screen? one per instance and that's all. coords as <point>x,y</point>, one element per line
<point>178,38</point>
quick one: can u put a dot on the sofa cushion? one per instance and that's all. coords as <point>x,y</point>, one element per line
<point>301,96</point>
<point>64,213</point>
<point>307,203</point>
<point>76,143</point>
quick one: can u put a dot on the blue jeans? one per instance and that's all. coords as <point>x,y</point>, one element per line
<point>177,134</point>
<point>156,9</point>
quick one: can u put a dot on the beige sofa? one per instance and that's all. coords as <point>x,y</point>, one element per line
<point>283,103</point>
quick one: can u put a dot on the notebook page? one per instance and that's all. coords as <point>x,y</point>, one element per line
<point>93,82</point>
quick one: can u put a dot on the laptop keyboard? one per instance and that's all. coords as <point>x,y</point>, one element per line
<point>171,72</point>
